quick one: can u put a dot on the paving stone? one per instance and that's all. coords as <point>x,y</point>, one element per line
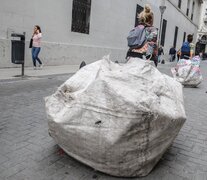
<point>28,152</point>
<point>11,171</point>
<point>3,159</point>
<point>200,176</point>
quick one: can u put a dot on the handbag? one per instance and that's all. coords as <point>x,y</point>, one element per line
<point>30,43</point>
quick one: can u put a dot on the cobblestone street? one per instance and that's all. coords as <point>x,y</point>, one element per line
<point>28,152</point>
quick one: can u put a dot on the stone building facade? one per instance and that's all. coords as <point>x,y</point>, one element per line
<point>76,30</point>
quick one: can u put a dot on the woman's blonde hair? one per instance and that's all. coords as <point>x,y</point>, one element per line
<point>146,16</point>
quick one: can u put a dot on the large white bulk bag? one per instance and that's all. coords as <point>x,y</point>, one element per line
<point>187,72</point>
<point>118,119</point>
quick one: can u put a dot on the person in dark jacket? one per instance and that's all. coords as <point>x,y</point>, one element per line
<point>172,53</point>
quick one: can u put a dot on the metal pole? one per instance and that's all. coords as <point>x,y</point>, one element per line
<point>162,10</point>
<point>24,55</point>
<point>22,69</point>
<point>160,30</point>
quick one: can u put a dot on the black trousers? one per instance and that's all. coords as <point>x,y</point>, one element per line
<point>140,55</point>
<point>155,59</point>
<point>185,55</point>
<point>133,54</point>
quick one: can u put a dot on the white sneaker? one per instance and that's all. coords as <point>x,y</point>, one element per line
<point>41,66</point>
<point>35,68</point>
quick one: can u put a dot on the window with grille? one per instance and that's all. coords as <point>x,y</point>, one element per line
<point>179,3</point>
<point>184,36</point>
<point>188,5</point>
<point>187,12</point>
<point>175,36</point>
<point>81,16</point>
<point>193,7</point>
<point>164,25</point>
<point>138,10</point>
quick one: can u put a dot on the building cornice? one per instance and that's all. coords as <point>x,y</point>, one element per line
<point>176,7</point>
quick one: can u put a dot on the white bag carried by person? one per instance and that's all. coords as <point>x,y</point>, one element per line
<point>117,118</point>
<point>187,72</point>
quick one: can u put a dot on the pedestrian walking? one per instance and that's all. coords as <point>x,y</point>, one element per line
<point>36,46</point>
<point>187,49</point>
<point>178,54</point>
<point>149,48</point>
<point>160,53</point>
<point>172,53</point>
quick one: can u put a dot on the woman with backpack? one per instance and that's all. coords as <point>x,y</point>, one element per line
<point>149,47</point>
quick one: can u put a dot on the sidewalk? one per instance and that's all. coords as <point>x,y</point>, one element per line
<point>10,73</point>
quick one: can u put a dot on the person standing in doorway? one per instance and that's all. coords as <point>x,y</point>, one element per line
<point>36,46</point>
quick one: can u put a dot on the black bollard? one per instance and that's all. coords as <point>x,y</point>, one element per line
<point>82,64</point>
<point>163,61</point>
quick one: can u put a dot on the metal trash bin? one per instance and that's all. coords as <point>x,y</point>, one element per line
<point>18,48</point>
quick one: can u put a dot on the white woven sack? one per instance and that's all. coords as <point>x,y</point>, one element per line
<point>188,72</point>
<point>118,119</point>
